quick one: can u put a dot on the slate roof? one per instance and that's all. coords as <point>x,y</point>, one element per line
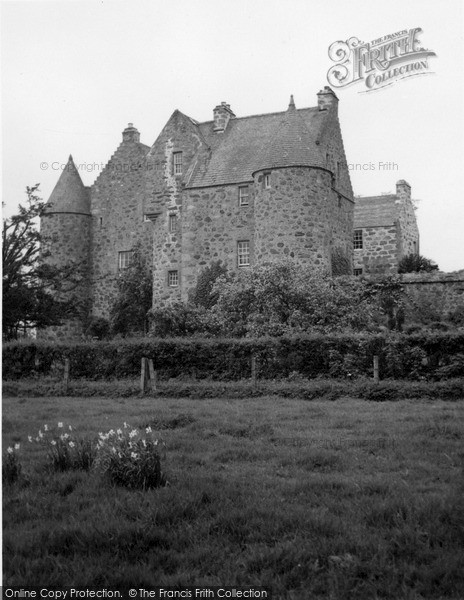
<point>256,142</point>
<point>69,194</point>
<point>375,211</point>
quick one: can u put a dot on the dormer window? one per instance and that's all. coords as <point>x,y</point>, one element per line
<point>267,181</point>
<point>177,162</point>
<point>243,196</point>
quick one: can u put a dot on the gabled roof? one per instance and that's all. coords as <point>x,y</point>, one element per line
<point>375,211</point>
<point>69,195</point>
<point>261,141</point>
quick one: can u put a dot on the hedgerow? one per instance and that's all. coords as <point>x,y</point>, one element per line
<point>297,388</point>
<point>417,356</point>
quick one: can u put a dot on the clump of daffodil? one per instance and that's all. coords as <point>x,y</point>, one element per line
<point>65,449</point>
<point>131,457</point>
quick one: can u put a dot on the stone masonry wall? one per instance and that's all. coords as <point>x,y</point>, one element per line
<point>443,292</point>
<point>213,224</point>
<point>301,217</point>
<point>164,197</point>
<point>117,220</point>
<point>379,253</point>
<point>67,237</point>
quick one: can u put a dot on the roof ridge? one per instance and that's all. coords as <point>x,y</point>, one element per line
<point>279,112</point>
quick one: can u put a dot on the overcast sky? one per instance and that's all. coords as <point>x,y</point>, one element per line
<point>75,73</point>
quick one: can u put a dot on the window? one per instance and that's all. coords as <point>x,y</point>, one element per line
<point>125,259</point>
<point>243,254</point>
<point>173,278</point>
<point>243,198</point>
<point>172,223</point>
<point>358,239</point>
<point>177,163</point>
<point>357,272</point>
<point>267,180</point>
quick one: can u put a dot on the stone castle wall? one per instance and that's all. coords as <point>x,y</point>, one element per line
<point>380,251</point>
<point>213,224</point>
<point>66,238</point>
<point>164,197</point>
<point>301,217</point>
<point>117,220</point>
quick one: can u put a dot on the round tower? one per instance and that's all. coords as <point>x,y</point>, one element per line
<point>293,197</point>
<point>65,232</point>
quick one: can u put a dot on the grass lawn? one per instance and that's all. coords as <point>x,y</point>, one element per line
<point>336,500</point>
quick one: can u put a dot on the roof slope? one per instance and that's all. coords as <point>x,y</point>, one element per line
<point>375,211</point>
<point>69,194</point>
<point>249,142</point>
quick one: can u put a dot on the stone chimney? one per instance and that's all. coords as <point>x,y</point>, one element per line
<point>130,134</point>
<point>222,115</point>
<point>326,98</point>
<point>403,191</point>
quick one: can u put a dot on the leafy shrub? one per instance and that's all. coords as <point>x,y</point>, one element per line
<point>11,466</point>
<point>203,294</point>
<point>415,263</point>
<point>98,327</point>
<point>130,458</point>
<point>65,450</point>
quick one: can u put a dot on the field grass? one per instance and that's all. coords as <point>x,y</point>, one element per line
<point>329,500</point>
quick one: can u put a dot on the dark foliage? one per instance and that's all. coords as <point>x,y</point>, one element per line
<point>36,294</point>
<point>128,315</point>
<point>202,294</point>
<point>415,263</point>
<point>426,355</point>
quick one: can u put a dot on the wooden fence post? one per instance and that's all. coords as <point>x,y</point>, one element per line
<point>153,375</point>
<point>253,369</point>
<point>376,368</point>
<point>143,376</point>
<point>66,374</point>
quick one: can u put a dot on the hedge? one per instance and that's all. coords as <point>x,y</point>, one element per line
<point>291,388</point>
<point>416,356</point>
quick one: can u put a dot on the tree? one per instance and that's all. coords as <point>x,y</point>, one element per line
<point>286,297</point>
<point>128,314</point>
<point>35,294</point>
<point>202,294</point>
<point>415,263</point>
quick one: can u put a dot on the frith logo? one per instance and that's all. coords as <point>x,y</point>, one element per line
<point>378,63</point>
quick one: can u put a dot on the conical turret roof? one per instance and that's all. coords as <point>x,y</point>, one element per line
<point>69,195</point>
<point>292,145</point>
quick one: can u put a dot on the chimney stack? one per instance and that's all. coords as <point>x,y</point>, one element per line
<point>222,115</point>
<point>130,134</point>
<point>403,191</point>
<point>326,98</point>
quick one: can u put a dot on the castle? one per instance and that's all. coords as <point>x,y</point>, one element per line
<point>242,190</point>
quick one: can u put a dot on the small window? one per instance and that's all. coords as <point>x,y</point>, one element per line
<point>243,254</point>
<point>172,223</point>
<point>177,163</point>
<point>358,239</point>
<point>173,278</point>
<point>357,272</point>
<point>101,221</point>
<point>243,196</point>
<point>125,259</point>
<point>267,181</point>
